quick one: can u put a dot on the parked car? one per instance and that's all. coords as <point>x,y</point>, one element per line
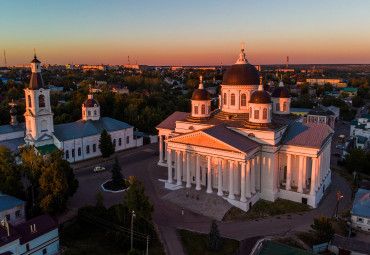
<point>99,169</point>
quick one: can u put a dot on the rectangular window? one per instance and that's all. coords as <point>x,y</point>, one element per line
<point>28,247</point>
<point>73,153</point>
<point>87,149</point>
<point>361,220</point>
<point>119,142</point>
<point>44,251</point>
<point>67,154</point>
<point>94,147</point>
<point>18,214</point>
<point>114,142</point>
<point>8,217</point>
<point>256,114</point>
<point>127,139</point>
<point>195,109</point>
<point>79,151</point>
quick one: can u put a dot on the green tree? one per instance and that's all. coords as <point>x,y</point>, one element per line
<point>105,144</point>
<point>323,229</point>
<point>214,240</point>
<point>136,200</point>
<point>134,252</point>
<point>357,160</point>
<point>117,176</point>
<point>357,101</point>
<point>10,177</point>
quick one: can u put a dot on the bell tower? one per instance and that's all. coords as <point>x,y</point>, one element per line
<point>38,115</point>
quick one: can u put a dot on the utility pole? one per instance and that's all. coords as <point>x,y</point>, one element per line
<point>147,245</point>
<point>132,229</point>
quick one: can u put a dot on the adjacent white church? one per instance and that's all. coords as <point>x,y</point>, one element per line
<point>250,148</point>
<point>79,140</point>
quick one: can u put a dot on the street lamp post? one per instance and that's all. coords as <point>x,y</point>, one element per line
<point>335,212</point>
<point>133,215</point>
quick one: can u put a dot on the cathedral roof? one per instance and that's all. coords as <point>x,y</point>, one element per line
<point>260,97</point>
<point>307,134</point>
<point>35,60</point>
<point>36,81</point>
<point>281,92</point>
<point>170,121</point>
<point>200,95</point>
<point>5,129</point>
<point>79,129</point>
<point>241,74</point>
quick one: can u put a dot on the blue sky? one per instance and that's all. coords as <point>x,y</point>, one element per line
<point>185,32</point>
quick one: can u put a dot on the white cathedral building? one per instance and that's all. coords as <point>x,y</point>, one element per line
<point>79,140</point>
<point>250,148</point>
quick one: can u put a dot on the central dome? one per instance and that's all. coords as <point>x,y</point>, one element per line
<point>241,74</point>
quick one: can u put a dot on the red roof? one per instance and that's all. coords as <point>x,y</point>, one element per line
<point>170,122</point>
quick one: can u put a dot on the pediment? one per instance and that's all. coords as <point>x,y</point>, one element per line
<point>203,140</point>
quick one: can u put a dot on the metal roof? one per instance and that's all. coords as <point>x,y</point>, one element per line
<point>13,144</point>
<point>7,202</point>
<point>361,204</point>
<point>307,134</point>
<point>170,122</point>
<point>272,248</point>
<point>79,129</point>
<point>4,129</point>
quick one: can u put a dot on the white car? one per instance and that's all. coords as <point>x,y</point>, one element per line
<point>99,169</point>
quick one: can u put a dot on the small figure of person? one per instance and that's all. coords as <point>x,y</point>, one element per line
<point>182,211</point>
<point>187,194</point>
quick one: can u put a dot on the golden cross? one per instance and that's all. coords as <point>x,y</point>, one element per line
<point>201,79</point>
<point>242,45</point>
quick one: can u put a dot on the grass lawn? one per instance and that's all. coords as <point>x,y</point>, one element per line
<point>195,244</point>
<point>264,208</point>
<point>290,241</point>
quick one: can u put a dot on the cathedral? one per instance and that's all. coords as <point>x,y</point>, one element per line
<point>250,148</point>
<point>79,140</point>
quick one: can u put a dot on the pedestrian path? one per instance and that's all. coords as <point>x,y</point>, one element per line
<point>209,205</point>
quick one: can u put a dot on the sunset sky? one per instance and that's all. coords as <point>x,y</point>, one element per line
<point>191,32</point>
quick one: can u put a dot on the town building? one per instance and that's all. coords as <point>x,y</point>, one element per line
<point>351,92</point>
<point>360,213</point>
<point>340,245</point>
<point>86,68</point>
<point>321,114</point>
<point>252,147</point>
<point>37,236</point>
<point>79,140</point>
<point>13,209</point>
<point>361,126</point>
<point>338,82</point>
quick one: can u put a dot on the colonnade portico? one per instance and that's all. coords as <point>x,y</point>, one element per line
<point>220,173</point>
<point>311,171</point>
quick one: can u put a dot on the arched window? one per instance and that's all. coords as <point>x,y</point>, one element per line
<point>195,109</point>
<point>119,142</point>
<point>250,112</point>
<point>94,147</point>
<point>209,109</point>
<point>284,107</point>
<point>127,139</point>
<point>243,100</point>
<point>256,114</point>
<point>232,99</point>
<point>88,113</point>
<point>29,101</point>
<point>41,101</point>
<point>203,109</point>
<point>264,116</point>
<point>225,99</point>
<point>277,107</point>
<point>87,149</point>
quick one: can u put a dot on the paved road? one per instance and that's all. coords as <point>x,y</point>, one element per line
<point>141,162</point>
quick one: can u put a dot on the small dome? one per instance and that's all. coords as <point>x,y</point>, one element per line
<point>200,95</point>
<point>13,111</point>
<point>91,102</point>
<point>260,97</point>
<point>281,92</point>
<point>241,74</point>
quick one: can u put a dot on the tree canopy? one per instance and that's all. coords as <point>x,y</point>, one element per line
<point>358,160</point>
<point>105,144</point>
<point>10,175</point>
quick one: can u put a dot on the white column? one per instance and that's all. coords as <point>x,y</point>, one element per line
<point>288,172</point>
<point>219,192</point>
<point>321,168</point>
<point>258,171</point>
<point>231,180</point>
<point>304,174</point>
<point>178,168</point>
<point>253,175</point>
<point>183,166</point>
<point>197,173</point>
<point>242,184</point>
<point>165,147</point>
<point>300,179</point>
<point>161,149</point>
<point>188,184</point>
<point>209,175</point>
<point>248,188</point>
<point>313,177</point>
<point>169,164</point>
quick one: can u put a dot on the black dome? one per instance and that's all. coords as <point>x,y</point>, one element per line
<point>13,111</point>
<point>260,97</point>
<point>281,92</point>
<point>91,103</point>
<point>241,74</point>
<point>200,95</point>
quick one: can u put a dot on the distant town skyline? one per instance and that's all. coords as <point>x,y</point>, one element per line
<point>185,33</point>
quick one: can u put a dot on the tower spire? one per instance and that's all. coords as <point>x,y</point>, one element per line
<point>260,87</point>
<point>201,82</point>
<point>241,59</point>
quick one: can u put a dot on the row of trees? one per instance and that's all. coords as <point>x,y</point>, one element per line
<point>49,181</point>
